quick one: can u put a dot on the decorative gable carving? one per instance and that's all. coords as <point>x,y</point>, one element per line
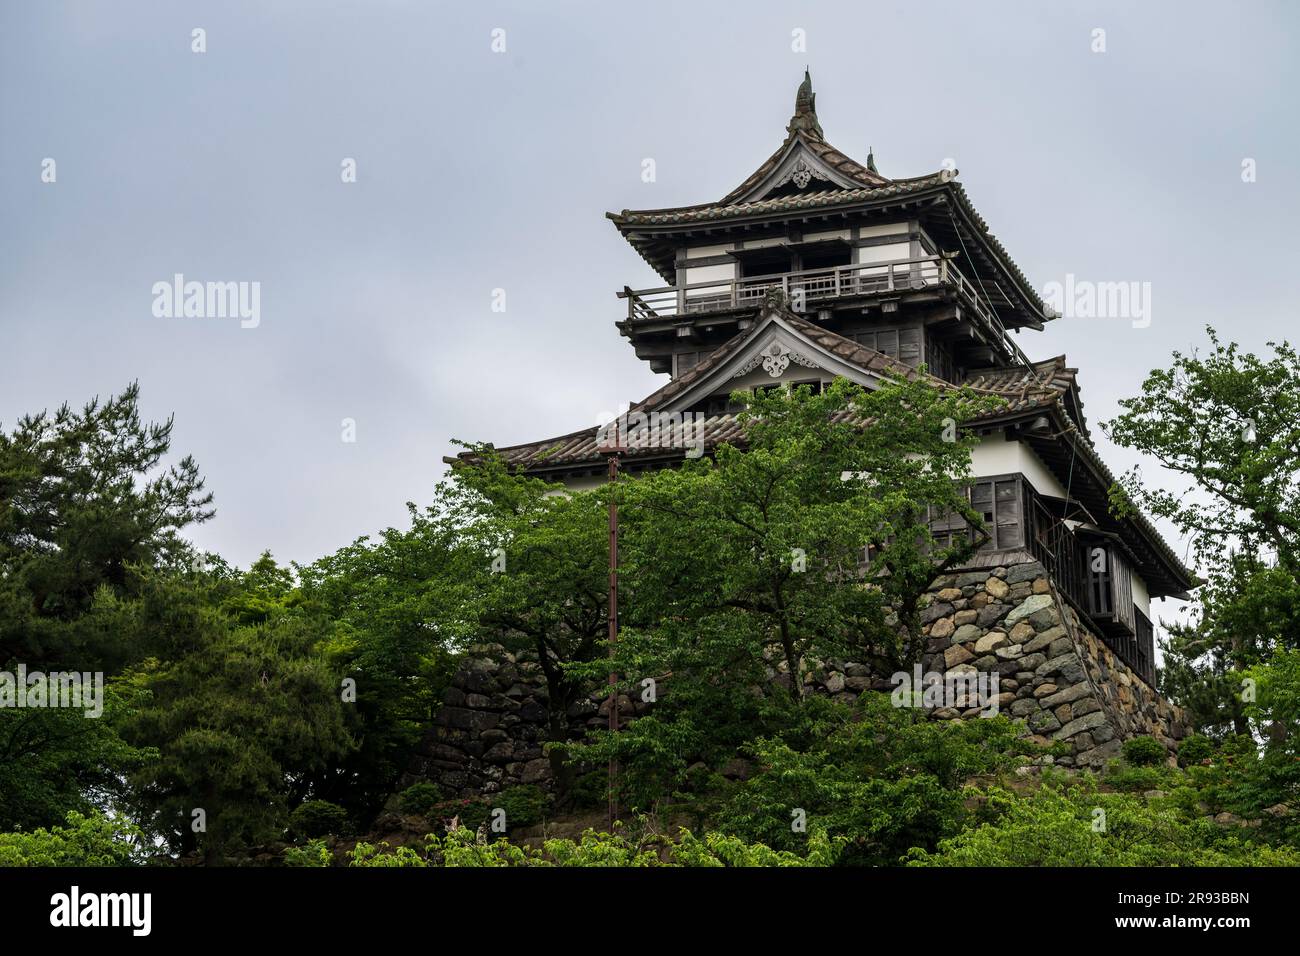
<point>801,173</point>
<point>800,166</point>
<point>775,359</point>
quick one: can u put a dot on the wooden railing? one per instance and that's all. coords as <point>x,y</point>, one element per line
<point>1065,556</point>
<point>865,278</point>
<point>803,289</point>
<point>1057,549</point>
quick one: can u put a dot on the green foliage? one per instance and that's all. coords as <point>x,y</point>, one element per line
<point>1079,826</point>
<point>421,798</point>
<point>53,761</point>
<point>313,853</point>
<point>366,855</point>
<point>1227,422</point>
<point>393,613</point>
<point>461,848</point>
<point>1195,749</point>
<point>84,501</point>
<point>89,514</point>
<point>1125,776</point>
<point>524,805</point>
<point>86,840</point>
<point>883,779</point>
<point>748,566</point>
<point>232,720</point>
<point>1144,751</point>
<point>318,818</point>
<point>1275,716</point>
<point>743,573</point>
<point>590,790</point>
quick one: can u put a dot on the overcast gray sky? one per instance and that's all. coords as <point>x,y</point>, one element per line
<point>479,170</point>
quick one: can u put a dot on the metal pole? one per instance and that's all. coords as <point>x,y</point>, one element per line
<point>613,620</point>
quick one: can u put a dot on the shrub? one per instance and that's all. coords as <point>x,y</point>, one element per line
<point>1195,749</point>
<point>317,818</point>
<point>421,799</point>
<point>462,847</point>
<point>1080,827</point>
<point>1125,776</point>
<point>591,790</point>
<point>92,840</point>
<point>524,805</point>
<point>1144,751</point>
<point>313,853</point>
<point>882,778</point>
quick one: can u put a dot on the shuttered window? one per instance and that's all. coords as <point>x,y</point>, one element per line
<point>1001,503</point>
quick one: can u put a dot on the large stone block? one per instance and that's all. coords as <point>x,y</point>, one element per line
<point>1067,665</point>
<point>957,655</point>
<point>1030,605</point>
<point>1044,640</point>
<point>1079,725</point>
<point>934,612</point>
<point>1024,572</point>
<point>1068,695</point>
<point>942,627</point>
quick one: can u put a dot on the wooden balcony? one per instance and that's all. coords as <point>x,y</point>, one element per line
<point>820,288</point>
<point>1106,599</point>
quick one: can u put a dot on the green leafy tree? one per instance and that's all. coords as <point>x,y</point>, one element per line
<point>84,499</point>
<point>879,778</point>
<point>530,573</point>
<point>239,719</point>
<point>89,515</point>
<point>812,542</point>
<point>84,840</point>
<point>1228,424</point>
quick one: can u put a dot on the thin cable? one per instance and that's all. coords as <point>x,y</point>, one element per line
<point>987,298</point>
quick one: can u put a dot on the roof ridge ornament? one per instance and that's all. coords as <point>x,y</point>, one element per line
<point>805,110</point>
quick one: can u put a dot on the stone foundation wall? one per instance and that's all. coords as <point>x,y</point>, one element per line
<point>1054,674</point>
<point>489,733</point>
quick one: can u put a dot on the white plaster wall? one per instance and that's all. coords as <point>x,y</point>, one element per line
<point>723,273</point>
<point>893,252</point>
<point>1141,596</point>
<point>699,252</point>
<point>994,455</point>
<point>832,234</point>
<point>887,229</point>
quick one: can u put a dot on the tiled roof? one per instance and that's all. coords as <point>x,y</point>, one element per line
<point>1044,390</point>
<point>860,355</point>
<point>1051,373</point>
<point>804,131</point>
<point>823,150</point>
<point>1021,391</point>
<point>732,210</point>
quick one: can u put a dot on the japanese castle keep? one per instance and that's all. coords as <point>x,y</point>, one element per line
<point>817,266</point>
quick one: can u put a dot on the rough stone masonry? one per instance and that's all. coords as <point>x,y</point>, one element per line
<point>1054,674</point>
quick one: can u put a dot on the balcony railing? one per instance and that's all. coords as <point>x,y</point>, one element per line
<point>806,288</point>
<point>1066,557</point>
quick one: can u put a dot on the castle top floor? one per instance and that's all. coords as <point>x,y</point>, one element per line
<point>905,262</point>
